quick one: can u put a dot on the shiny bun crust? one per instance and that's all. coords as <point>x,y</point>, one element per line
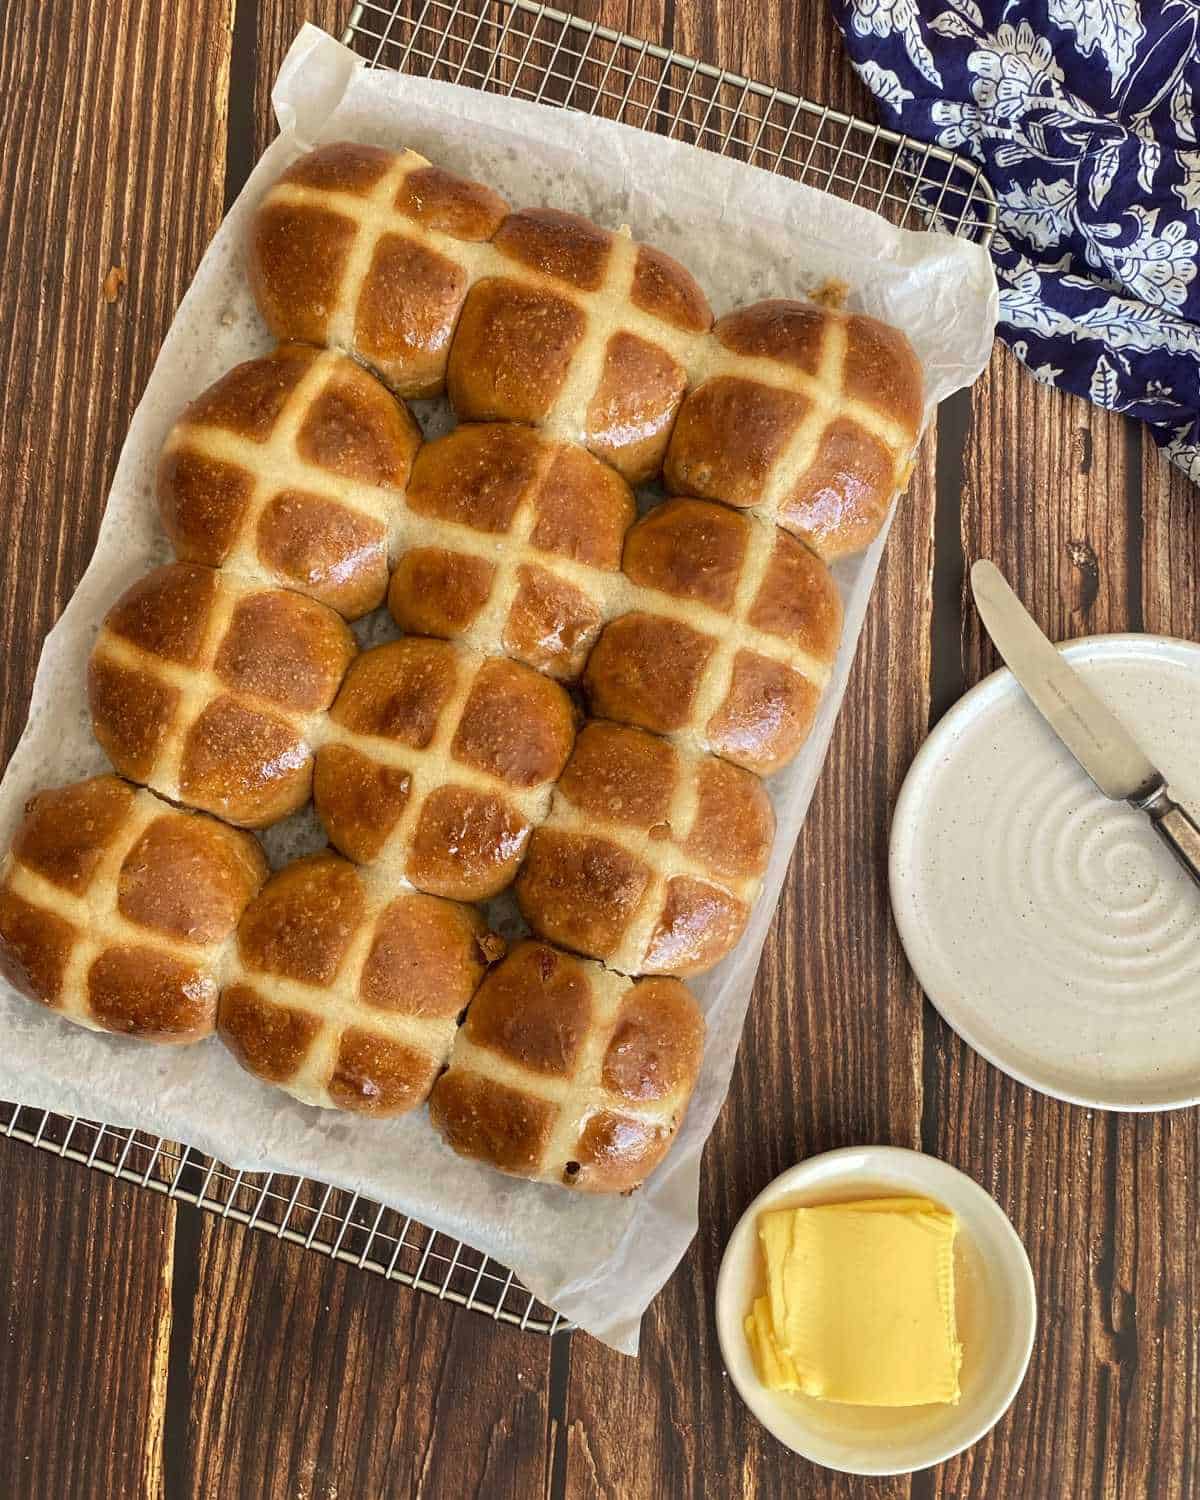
<point>651,858</point>
<point>371,252</point>
<point>116,910</point>
<point>290,471</point>
<point>439,762</point>
<point>802,412</point>
<point>580,331</point>
<point>347,993</point>
<point>210,691</point>
<point>732,641</point>
<point>719,629</point>
<point>807,415</point>
<point>566,1073</point>
<point>511,545</point>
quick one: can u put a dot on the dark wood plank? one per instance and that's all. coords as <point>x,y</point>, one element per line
<point>85,1329</point>
<point>317,1379</point>
<point>1170,548</point>
<point>112,124</point>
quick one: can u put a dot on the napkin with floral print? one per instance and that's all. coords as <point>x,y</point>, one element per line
<point>1083,115</point>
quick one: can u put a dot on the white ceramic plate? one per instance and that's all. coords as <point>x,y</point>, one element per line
<point>1050,927</point>
<point>995,1304</point>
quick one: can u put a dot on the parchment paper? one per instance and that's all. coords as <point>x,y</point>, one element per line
<point>745,234</point>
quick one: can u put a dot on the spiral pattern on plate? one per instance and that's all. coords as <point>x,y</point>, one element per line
<point>1083,884</point>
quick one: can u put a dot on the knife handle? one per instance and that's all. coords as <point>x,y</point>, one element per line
<point>1176,829</point>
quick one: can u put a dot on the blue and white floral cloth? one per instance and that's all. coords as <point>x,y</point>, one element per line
<point>1083,114</point>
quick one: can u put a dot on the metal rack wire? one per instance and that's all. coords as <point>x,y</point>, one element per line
<point>344,1226</point>
<point>530,51</point>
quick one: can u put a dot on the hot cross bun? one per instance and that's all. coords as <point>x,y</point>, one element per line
<point>347,993</point>
<point>210,690</point>
<point>583,332</point>
<point>372,252</point>
<point>439,762</point>
<point>807,415</point>
<point>731,642</point>
<point>291,470</point>
<point>567,1073</point>
<point>651,857</point>
<point>511,544</point>
<point>116,910</point>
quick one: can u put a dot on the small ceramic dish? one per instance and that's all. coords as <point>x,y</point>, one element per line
<point>996,1308</point>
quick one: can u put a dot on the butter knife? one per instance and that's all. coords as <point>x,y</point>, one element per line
<point>1098,741</point>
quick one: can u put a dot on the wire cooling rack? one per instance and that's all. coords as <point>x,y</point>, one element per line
<point>531,52</point>
<point>344,1226</point>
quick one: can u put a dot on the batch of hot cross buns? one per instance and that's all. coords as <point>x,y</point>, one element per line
<point>580,704</point>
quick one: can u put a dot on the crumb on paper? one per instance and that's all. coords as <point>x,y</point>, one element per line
<point>113,283</point>
<point>832,294</point>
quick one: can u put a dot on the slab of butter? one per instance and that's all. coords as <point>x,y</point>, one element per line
<point>860,1303</point>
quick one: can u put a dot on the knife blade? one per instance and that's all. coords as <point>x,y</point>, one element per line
<point>1091,732</point>
<point>1098,741</point>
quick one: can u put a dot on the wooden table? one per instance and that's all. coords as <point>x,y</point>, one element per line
<point>150,1350</point>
